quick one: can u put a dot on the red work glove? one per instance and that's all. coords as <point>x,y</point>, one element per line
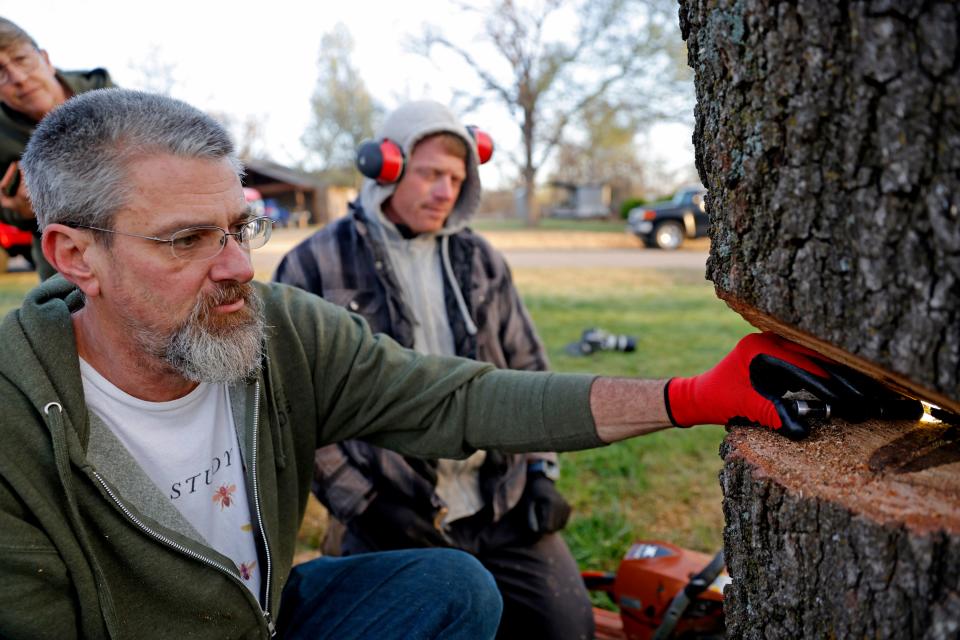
<point>748,384</point>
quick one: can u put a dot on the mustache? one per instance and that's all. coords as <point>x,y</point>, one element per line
<point>212,347</point>
<point>224,293</point>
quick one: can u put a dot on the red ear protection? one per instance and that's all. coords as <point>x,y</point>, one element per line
<point>381,161</point>
<point>484,143</point>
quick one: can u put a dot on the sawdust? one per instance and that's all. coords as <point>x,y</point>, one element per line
<point>839,464</point>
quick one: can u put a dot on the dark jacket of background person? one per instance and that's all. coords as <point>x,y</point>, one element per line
<point>92,549</point>
<point>435,286</point>
<point>15,132</point>
<point>346,264</point>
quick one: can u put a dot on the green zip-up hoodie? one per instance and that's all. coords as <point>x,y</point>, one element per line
<point>90,548</point>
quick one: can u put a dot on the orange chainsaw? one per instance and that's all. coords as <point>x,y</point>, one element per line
<point>661,591</point>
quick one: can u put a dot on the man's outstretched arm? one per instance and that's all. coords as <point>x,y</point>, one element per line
<point>749,385</point>
<point>627,407</point>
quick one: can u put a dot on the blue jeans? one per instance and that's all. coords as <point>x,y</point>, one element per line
<point>408,594</point>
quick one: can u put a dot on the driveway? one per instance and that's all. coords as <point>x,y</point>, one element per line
<point>618,258</point>
<point>524,250</point>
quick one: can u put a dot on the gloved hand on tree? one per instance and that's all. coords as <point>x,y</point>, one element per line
<point>750,382</point>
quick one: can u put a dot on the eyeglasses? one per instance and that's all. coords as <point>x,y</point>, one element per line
<point>205,242</point>
<point>23,61</point>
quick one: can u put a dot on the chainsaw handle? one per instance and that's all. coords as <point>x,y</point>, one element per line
<point>697,585</point>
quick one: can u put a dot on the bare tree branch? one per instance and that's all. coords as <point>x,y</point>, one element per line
<point>616,48</point>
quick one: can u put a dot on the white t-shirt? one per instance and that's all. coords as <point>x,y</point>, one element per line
<point>189,448</point>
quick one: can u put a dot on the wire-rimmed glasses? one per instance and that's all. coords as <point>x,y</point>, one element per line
<point>206,241</point>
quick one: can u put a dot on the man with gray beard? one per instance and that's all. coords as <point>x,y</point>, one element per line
<point>177,489</point>
<point>161,411</point>
<point>211,348</point>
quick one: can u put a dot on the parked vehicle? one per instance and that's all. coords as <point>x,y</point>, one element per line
<point>665,225</point>
<point>279,215</point>
<point>13,243</point>
<point>255,200</point>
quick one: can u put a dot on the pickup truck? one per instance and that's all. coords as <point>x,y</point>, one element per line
<point>665,225</point>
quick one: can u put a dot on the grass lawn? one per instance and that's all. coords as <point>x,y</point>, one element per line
<point>13,286</point>
<point>662,486</point>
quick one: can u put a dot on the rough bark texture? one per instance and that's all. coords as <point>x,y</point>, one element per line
<point>853,533</point>
<point>828,136</point>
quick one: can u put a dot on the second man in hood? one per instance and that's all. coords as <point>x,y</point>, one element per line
<point>405,260</point>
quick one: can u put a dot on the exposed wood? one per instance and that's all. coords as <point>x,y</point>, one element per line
<point>852,533</point>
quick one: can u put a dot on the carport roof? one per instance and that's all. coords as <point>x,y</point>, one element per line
<point>280,173</point>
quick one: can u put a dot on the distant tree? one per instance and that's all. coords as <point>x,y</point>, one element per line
<point>552,62</point>
<point>153,73</point>
<point>249,131</point>
<point>344,113</point>
<point>604,152</point>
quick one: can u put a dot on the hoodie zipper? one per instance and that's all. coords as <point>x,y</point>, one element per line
<point>265,609</point>
<point>256,508</point>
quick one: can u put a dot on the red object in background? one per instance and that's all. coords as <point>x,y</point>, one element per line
<point>650,575</point>
<point>10,237</point>
<point>14,242</point>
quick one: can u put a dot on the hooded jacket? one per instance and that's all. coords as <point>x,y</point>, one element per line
<point>352,263</point>
<point>86,549</point>
<point>413,262</point>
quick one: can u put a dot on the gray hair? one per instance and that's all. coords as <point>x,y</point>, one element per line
<point>12,35</point>
<point>75,165</point>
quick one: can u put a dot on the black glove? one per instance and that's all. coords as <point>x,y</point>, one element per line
<point>387,524</point>
<point>545,508</point>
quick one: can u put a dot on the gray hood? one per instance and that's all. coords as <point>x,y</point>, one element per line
<point>408,125</point>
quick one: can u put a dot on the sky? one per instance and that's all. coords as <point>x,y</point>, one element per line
<point>258,59</point>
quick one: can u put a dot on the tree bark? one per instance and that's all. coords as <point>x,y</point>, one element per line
<point>853,533</point>
<point>828,137</point>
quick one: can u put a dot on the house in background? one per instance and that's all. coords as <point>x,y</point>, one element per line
<point>580,200</point>
<point>306,197</point>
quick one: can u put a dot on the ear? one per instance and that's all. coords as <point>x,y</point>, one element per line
<point>46,57</point>
<point>73,252</point>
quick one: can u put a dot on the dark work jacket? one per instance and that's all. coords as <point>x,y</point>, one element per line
<point>345,264</point>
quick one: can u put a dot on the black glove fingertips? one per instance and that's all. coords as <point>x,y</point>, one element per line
<point>791,427</point>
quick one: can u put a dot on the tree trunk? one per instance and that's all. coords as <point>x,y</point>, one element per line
<point>853,533</point>
<point>530,199</point>
<point>828,137</point>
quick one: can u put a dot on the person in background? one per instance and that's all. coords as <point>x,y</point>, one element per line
<point>405,260</point>
<point>162,410</point>
<point>30,87</point>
